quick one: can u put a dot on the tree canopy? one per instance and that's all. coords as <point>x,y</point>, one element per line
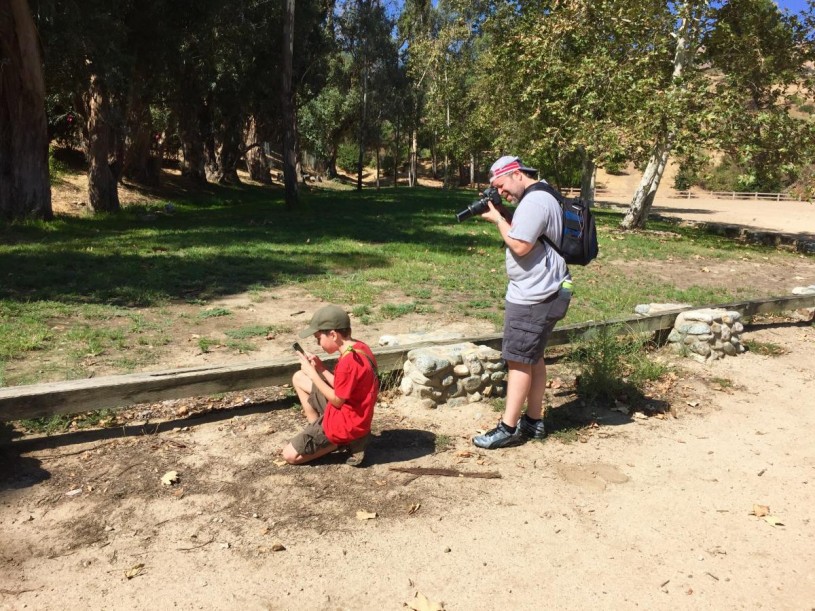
<point>569,86</point>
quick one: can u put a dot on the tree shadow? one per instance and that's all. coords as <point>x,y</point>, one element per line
<point>220,245</point>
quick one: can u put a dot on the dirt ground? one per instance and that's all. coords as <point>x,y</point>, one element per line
<point>641,510</point>
<point>660,510</point>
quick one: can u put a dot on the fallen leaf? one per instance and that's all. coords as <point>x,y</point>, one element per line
<point>278,547</point>
<point>773,521</point>
<point>760,511</point>
<point>366,515</point>
<point>414,508</point>
<point>73,492</point>
<point>134,570</point>
<point>421,603</point>
<point>280,462</point>
<point>693,403</point>
<point>169,478</point>
<point>464,454</point>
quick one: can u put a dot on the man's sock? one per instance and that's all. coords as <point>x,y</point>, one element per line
<point>507,428</point>
<point>532,420</point>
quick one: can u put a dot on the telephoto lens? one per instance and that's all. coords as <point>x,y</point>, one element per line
<point>480,206</point>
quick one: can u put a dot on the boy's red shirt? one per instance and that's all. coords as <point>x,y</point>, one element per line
<point>355,381</point>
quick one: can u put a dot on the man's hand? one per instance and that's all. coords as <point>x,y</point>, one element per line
<point>492,215</point>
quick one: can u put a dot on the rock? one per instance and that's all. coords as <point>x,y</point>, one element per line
<point>461,370</point>
<point>474,398</point>
<point>804,290</point>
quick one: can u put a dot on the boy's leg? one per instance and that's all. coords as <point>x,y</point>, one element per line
<point>307,445</point>
<point>305,389</point>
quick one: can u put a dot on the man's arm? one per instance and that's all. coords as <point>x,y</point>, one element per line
<point>519,247</point>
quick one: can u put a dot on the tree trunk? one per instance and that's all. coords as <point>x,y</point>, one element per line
<point>396,155</point>
<point>103,191</point>
<point>138,164</point>
<point>229,153</point>
<point>472,168</point>
<point>643,199</point>
<point>587,180</point>
<point>644,196</point>
<point>287,105</point>
<point>256,161</point>
<point>377,166</point>
<point>414,157</point>
<point>192,143</point>
<point>25,190</point>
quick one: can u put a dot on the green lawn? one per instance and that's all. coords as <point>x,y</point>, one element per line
<point>76,286</point>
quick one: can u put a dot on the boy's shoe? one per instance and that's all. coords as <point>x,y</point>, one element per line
<point>530,429</point>
<point>356,451</point>
<point>499,437</point>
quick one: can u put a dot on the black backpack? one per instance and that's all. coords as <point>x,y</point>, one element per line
<point>578,244</point>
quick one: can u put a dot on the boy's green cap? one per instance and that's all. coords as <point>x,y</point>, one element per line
<point>327,318</point>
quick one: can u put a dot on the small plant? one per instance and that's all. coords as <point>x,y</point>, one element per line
<point>613,367</point>
<point>214,313</point>
<point>443,443</point>
<point>247,332</point>
<point>59,423</point>
<point>240,346</point>
<point>764,348</point>
<point>205,343</point>
<point>396,310</point>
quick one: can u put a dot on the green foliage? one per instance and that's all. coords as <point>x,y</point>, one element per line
<point>613,368</point>
<point>51,425</point>
<point>214,313</point>
<point>393,246</point>
<point>348,157</point>
<point>764,348</point>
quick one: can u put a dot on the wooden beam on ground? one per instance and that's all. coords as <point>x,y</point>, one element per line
<point>40,400</point>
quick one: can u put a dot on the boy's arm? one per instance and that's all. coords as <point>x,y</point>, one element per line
<point>321,378</point>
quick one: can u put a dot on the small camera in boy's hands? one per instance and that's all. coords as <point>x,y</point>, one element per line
<point>296,346</point>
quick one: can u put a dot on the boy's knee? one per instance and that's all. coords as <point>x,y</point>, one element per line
<point>290,455</point>
<point>300,380</point>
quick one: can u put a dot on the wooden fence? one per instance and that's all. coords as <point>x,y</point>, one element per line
<point>739,195</point>
<point>41,400</point>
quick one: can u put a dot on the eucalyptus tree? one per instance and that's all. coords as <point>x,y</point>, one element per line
<point>24,186</point>
<point>365,34</point>
<point>87,64</point>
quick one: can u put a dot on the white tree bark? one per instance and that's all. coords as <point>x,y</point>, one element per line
<point>686,45</point>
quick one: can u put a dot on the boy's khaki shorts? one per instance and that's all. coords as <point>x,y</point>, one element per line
<point>312,438</point>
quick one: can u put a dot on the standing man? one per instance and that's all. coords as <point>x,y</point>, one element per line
<point>538,296</point>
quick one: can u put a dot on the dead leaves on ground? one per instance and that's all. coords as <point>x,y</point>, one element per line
<point>763,512</point>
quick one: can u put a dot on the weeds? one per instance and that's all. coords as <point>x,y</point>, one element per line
<point>612,367</point>
<point>764,348</point>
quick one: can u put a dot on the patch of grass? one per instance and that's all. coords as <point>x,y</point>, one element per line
<point>250,331</point>
<point>60,423</point>
<point>240,346</point>
<point>764,348</point>
<point>390,310</point>
<point>207,343</point>
<point>115,272</point>
<point>443,443</point>
<point>722,382</point>
<point>214,313</point>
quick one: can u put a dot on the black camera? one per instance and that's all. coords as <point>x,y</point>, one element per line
<point>480,206</point>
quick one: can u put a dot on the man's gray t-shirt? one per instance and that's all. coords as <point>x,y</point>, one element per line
<point>539,273</point>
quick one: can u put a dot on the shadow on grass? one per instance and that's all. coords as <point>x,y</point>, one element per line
<point>222,241</point>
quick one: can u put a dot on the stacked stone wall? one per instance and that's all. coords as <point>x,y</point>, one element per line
<point>455,374</point>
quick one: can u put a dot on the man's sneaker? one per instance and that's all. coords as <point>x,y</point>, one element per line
<point>531,429</point>
<point>356,451</point>
<point>499,437</point>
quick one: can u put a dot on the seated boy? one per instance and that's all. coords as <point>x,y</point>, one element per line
<point>339,406</point>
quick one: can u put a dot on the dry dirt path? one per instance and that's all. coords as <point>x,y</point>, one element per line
<point>650,512</point>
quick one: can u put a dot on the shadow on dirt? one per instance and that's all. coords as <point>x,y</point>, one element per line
<point>570,418</point>
<point>17,472</point>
